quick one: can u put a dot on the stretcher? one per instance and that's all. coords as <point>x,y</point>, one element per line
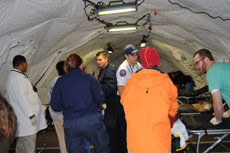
<point>192,100</point>
<point>192,97</point>
<point>198,124</point>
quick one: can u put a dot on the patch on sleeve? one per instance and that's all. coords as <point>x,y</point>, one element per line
<point>122,73</point>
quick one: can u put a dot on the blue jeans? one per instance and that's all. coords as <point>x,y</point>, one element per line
<point>89,127</point>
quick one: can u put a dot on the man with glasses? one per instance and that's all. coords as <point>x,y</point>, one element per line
<point>128,67</point>
<point>218,82</point>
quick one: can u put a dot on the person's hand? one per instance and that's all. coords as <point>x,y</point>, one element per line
<point>226,115</point>
<point>214,121</point>
<point>33,120</point>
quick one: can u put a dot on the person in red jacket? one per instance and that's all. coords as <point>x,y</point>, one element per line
<point>150,103</point>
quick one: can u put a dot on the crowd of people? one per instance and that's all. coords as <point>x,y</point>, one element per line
<point>141,103</point>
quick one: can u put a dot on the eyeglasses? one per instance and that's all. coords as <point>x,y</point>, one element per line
<point>199,61</point>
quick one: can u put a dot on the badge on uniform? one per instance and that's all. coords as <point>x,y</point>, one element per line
<point>122,73</point>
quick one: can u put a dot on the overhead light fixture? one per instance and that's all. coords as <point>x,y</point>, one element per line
<point>101,9</point>
<point>109,48</point>
<point>145,37</point>
<point>116,8</point>
<point>121,26</point>
<point>144,41</point>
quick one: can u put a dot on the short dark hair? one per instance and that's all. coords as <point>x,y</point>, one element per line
<point>18,60</point>
<point>204,53</point>
<point>60,67</point>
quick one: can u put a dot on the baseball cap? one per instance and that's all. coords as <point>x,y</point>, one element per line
<point>149,57</point>
<point>130,49</point>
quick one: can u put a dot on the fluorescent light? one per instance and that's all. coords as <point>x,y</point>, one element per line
<point>122,27</point>
<point>116,11</point>
<point>119,8</point>
<point>143,44</point>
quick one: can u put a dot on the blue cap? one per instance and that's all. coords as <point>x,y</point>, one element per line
<point>130,49</point>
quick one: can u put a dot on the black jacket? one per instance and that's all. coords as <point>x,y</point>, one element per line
<point>108,81</point>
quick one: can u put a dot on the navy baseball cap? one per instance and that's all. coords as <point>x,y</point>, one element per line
<point>130,49</point>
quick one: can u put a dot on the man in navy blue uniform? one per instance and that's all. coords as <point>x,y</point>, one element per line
<point>114,114</point>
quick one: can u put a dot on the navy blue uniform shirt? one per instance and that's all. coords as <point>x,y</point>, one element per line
<point>108,82</point>
<point>76,94</point>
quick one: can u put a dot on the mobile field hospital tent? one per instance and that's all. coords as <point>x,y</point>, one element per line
<point>47,31</point>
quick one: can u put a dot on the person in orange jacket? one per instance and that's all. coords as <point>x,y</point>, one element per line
<point>150,104</point>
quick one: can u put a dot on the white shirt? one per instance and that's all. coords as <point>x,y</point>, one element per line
<point>25,102</point>
<point>57,115</point>
<point>125,71</point>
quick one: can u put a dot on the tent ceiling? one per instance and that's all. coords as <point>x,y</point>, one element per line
<point>47,31</point>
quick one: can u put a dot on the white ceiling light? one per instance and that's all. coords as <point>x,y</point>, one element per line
<point>121,26</point>
<point>118,8</point>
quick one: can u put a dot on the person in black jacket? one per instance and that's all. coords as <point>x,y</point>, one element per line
<point>114,114</point>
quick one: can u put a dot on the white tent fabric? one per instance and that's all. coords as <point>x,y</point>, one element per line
<point>47,31</point>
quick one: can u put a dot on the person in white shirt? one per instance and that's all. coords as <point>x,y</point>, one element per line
<point>58,116</point>
<point>128,67</point>
<point>27,106</point>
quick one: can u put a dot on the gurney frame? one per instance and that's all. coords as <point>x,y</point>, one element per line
<point>201,133</point>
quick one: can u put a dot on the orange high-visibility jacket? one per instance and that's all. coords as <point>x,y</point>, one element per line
<point>149,97</point>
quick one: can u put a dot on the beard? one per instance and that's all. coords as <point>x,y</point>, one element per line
<point>203,68</point>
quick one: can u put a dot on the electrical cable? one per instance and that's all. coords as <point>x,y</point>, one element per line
<point>91,16</point>
<point>46,70</point>
<point>94,6</point>
<point>86,12</point>
<point>101,4</point>
<point>174,3</point>
<point>8,55</point>
<point>140,2</point>
<point>148,17</point>
<point>99,20</point>
<point>44,73</point>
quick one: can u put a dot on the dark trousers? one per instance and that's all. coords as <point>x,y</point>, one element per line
<point>88,127</point>
<point>115,124</point>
